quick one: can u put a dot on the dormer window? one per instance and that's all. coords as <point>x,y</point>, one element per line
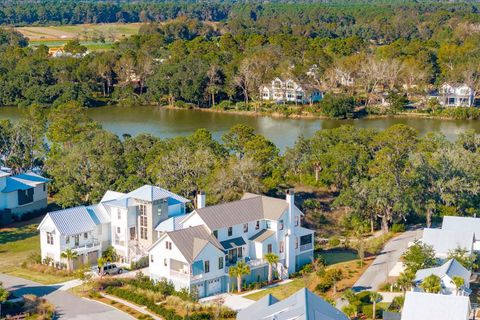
<point>230,231</point>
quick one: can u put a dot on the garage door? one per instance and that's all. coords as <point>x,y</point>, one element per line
<point>199,289</point>
<point>214,286</point>
<point>92,258</point>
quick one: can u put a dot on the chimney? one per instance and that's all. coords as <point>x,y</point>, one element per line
<point>290,234</point>
<point>290,198</point>
<point>201,199</point>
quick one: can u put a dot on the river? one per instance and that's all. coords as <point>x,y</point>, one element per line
<point>283,132</point>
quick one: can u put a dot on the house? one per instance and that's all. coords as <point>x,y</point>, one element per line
<point>464,224</point>
<point>446,272</point>
<point>456,95</point>
<point>421,306</point>
<point>21,193</point>
<point>198,255</point>
<point>281,91</point>
<point>126,221</point>
<point>302,305</point>
<point>445,241</point>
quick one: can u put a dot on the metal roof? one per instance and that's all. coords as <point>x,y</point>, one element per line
<point>450,268</point>
<point>250,208</point>
<point>74,220</point>
<point>151,193</point>
<point>171,224</point>
<point>444,241</point>
<point>302,305</point>
<point>191,241</point>
<point>262,235</point>
<point>233,243</point>
<point>421,306</point>
<point>462,224</point>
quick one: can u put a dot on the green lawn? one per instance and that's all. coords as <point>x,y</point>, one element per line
<point>16,244</point>
<point>280,292</point>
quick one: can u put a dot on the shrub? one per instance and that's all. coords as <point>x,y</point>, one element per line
<point>337,105</point>
<point>140,264</point>
<point>398,227</point>
<point>334,241</point>
<point>324,285</point>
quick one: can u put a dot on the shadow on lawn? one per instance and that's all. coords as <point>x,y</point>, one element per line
<point>16,234</point>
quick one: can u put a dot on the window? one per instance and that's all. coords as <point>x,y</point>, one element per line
<point>168,245</point>
<point>296,243</point>
<point>240,252</point>
<point>165,262</point>
<point>297,220</point>
<point>49,238</point>
<point>143,221</point>
<point>269,224</point>
<point>85,235</point>
<point>159,209</point>
<point>77,240</point>
<point>207,266</point>
<point>220,263</point>
<point>281,225</point>
<point>257,225</point>
<point>151,258</point>
<point>245,227</point>
<point>67,239</point>
<point>133,233</point>
<point>44,187</point>
<point>230,231</point>
<point>118,229</point>
<point>269,248</point>
<point>119,214</point>
<point>215,233</point>
<point>282,246</point>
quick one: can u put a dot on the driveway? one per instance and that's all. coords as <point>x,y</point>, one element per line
<point>377,272</point>
<point>68,306</point>
<point>232,301</point>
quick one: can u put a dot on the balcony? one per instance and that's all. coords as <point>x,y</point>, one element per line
<point>305,247</point>
<point>184,276</point>
<point>91,246</point>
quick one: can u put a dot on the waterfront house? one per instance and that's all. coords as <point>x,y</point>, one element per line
<point>446,241</point>
<point>21,193</point>
<point>126,221</point>
<point>302,305</point>
<point>197,252</point>
<point>456,95</point>
<point>281,91</point>
<point>421,306</point>
<point>446,272</point>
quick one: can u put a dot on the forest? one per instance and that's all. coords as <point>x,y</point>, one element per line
<point>397,52</point>
<point>377,178</point>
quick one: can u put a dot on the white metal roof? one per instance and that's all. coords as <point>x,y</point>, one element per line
<point>421,306</point>
<point>74,220</point>
<point>444,241</point>
<point>462,224</point>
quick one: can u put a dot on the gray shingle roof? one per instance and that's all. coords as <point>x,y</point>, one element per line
<point>302,305</point>
<point>444,241</point>
<point>421,306</point>
<point>250,208</point>
<point>191,241</point>
<point>262,235</point>
<point>462,224</point>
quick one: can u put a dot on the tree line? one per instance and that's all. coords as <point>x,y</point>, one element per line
<point>377,177</point>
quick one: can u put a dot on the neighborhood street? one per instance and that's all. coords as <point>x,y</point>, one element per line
<point>68,305</point>
<point>377,272</point>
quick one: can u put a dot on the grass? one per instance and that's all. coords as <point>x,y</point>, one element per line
<point>17,242</point>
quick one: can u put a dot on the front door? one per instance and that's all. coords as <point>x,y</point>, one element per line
<point>232,256</point>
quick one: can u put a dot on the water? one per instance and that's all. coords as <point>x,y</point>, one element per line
<point>283,132</point>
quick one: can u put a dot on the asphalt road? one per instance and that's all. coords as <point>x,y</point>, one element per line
<point>377,272</point>
<point>68,305</point>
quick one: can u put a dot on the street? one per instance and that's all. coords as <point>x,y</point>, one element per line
<point>68,305</point>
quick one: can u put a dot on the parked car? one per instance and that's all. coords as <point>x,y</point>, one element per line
<point>110,269</point>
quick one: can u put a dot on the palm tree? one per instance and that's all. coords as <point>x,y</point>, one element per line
<point>69,254</point>
<point>353,301</point>
<point>431,284</point>
<point>374,298</point>
<point>458,282</point>
<point>3,297</point>
<point>405,280</point>
<point>239,271</point>
<point>271,259</point>
<point>101,262</point>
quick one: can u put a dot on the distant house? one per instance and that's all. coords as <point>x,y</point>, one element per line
<point>445,241</point>
<point>60,52</point>
<point>281,91</point>
<point>421,306</point>
<point>464,224</point>
<point>126,221</point>
<point>456,95</point>
<point>21,193</point>
<point>446,272</point>
<point>302,305</point>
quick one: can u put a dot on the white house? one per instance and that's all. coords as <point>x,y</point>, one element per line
<point>446,272</point>
<point>445,241</point>
<point>303,305</point>
<point>421,306</point>
<point>464,224</point>
<point>198,254</point>
<point>21,193</point>
<point>288,91</point>
<point>125,221</point>
<point>456,95</point>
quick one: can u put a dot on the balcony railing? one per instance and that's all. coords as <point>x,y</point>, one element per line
<point>305,247</point>
<point>184,275</point>
<point>89,245</point>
